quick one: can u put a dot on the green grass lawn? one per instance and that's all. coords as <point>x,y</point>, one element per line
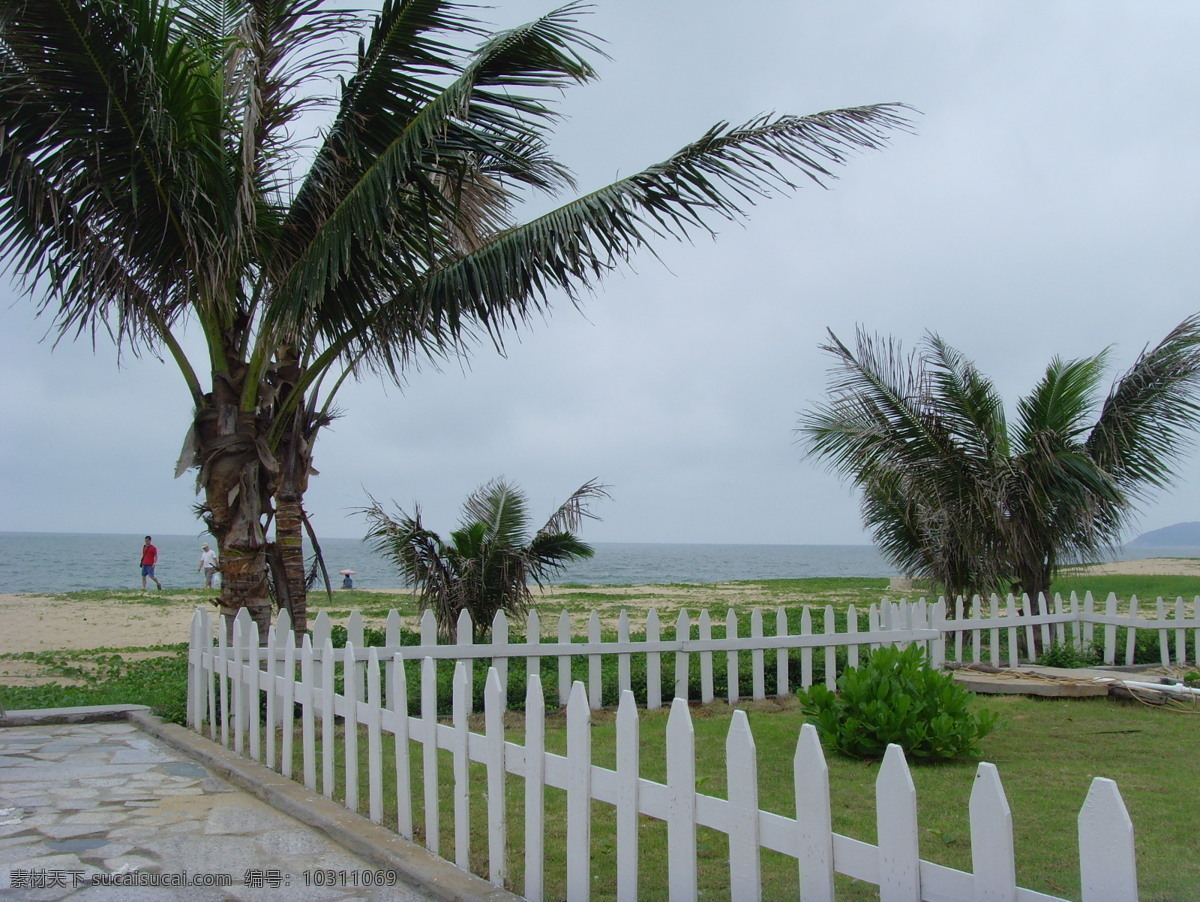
<point>1047,753</point>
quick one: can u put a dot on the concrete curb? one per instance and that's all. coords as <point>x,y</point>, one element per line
<point>416,866</point>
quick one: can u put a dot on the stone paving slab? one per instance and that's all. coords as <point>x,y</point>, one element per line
<point>106,811</point>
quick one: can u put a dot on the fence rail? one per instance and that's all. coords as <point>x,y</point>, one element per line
<point>263,701</point>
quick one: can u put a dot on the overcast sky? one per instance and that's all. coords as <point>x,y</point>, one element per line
<point>1047,204</point>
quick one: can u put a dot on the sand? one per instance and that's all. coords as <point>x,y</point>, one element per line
<point>31,623</point>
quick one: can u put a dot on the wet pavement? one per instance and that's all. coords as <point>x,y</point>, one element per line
<point>106,811</point>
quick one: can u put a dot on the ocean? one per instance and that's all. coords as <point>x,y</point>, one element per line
<point>70,562</point>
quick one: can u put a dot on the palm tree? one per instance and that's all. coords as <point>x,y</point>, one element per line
<point>951,491</point>
<point>487,565</point>
<point>155,174</point>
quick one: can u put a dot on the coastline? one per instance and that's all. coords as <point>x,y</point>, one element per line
<point>35,623</point>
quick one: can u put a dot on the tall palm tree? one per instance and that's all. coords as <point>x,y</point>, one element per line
<point>155,174</point>
<point>489,561</point>
<point>953,492</point>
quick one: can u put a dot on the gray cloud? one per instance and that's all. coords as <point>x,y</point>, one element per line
<point>1047,205</point>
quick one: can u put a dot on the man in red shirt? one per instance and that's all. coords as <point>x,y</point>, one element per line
<point>149,559</point>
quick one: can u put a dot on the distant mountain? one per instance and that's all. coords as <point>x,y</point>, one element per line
<point>1179,535</point>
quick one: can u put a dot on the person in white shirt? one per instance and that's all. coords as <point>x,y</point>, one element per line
<point>208,563</point>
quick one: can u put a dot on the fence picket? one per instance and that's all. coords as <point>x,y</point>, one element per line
<point>851,628</point>
<point>1014,653</point>
<point>624,678</point>
<point>628,785</point>
<point>535,788</point>
<point>288,725</point>
<point>829,629</point>
<point>741,768</point>
<point>494,703</point>
<point>464,639</point>
<point>681,804</point>
<point>783,683</point>
<point>896,823</point>
<point>731,658</point>
<point>992,854</point>
<point>326,708</point>
<point>653,662</point>
<point>500,640</point>
<point>533,636</point>
<point>814,821</point>
<point>1180,634</point>
<point>351,694</point>
<point>1107,861</point>
<point>564,661</point>
<point>459,749</point>
<point>429,750</point>
<point>757,679</point>
<point>374,738</point>
<point>595,682</point>
<point>806,655</point>
<point>398,694</point>
<point>579,796</point>
<point>1110,630</point>
<point>706,658</point>
<point>1131,631</point>
<point>308,730</point>
<point>391,639</point>
<point>1164,636</point>
<point>683,632</point>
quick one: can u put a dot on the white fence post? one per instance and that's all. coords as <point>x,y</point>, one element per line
<point>460,747</point>
<point>350,697</point>
<point>653,662</point>
<point>628,785</point>
<point>564,661</point>
<point>398,696</point>
<point>535,788</point>
<point>683,632</point>
<point>783,681</point>
<point>706,658</point>
<point>1107,862</point>
<point>429,749</point>
<point>992,854</point>
<point>896,823</point>
<point>814,822</point>
<point>595,675</point>
<point>731,658</point>
<point>681,803</point>
<point>494,705</point>
<point>741,768</point>
<point>579,796</point>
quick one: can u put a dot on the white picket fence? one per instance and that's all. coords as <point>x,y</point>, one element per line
<point>234,690</point>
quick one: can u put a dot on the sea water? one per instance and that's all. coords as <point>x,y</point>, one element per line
<point>70,562</point>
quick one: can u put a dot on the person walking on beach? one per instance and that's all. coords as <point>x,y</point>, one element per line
<point>208,563</point>
<point>149,559</point>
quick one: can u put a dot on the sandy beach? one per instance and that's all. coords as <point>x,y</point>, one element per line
<point>30,623</point>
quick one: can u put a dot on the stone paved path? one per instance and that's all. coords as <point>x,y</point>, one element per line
<point>95,811</point>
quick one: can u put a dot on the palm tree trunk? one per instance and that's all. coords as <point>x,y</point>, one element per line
<point>289,540</point>
<point>236,478</point>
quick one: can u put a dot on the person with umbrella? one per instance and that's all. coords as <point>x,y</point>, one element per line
<point>347,583</point>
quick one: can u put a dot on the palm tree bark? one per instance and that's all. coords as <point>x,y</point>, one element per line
<point>236,476</point>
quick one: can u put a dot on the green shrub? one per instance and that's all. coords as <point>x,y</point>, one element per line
<point>1066,654</point>
<point>896,697</point>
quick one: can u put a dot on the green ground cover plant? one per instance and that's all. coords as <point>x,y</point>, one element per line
<point>106,676</point>
<point>1047,755</point>
<point>894,697</point>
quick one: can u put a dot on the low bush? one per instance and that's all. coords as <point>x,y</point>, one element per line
<point>895,697</point>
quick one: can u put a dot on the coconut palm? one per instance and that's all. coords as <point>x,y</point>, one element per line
<point>489,561</point>
<point>954,492</point>
<point>156,174</point>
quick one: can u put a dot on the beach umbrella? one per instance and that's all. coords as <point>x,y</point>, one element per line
<point>347,572</point>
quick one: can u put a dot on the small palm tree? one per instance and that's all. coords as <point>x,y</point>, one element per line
<point>490,560</point>
<point>955,492</point>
